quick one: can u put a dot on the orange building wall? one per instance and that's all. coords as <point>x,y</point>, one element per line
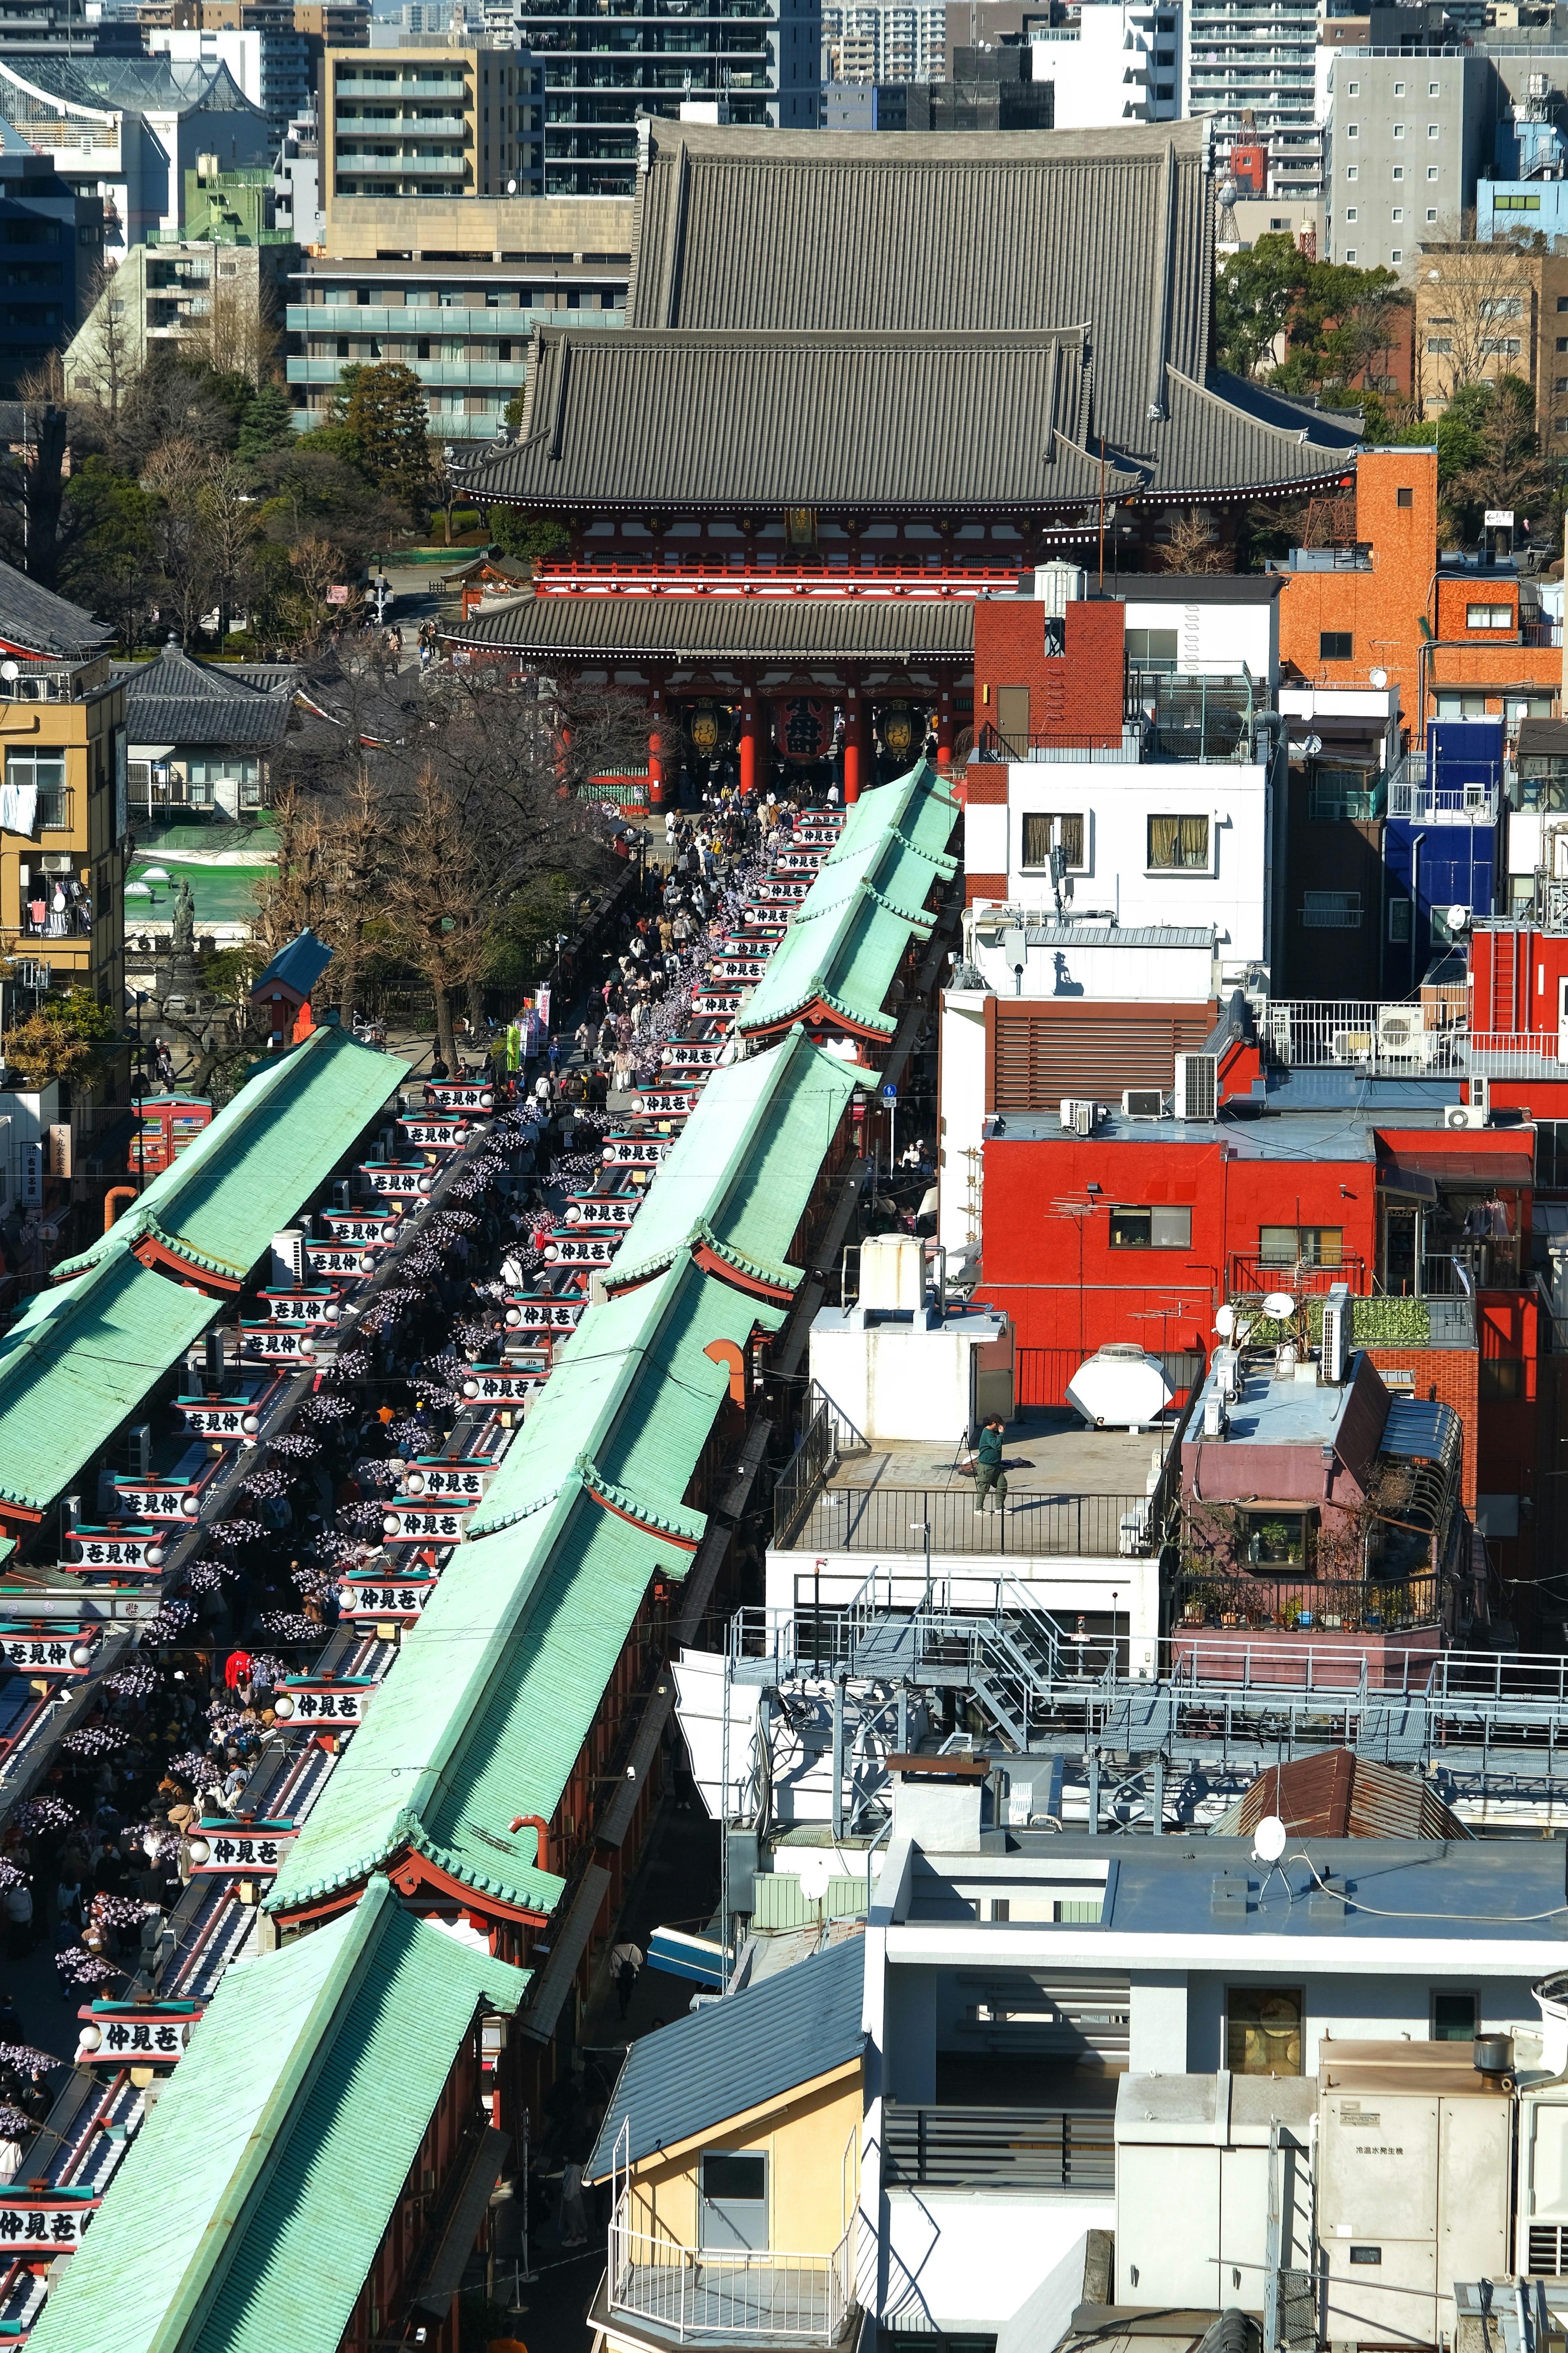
<point>1383,608</point>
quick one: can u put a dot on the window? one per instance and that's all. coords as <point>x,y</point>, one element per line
<point>1151,649</point>
<point>1396,214</point>
<point>1396,255</point>
<point>1454,2018</point>
<point>1404,498</point>
<point>1398,92</point>
<point>1399,129</point>
<point>1502,306</point>
<point>1399,921</point>
<point>1516,203</point>
<point>1431,174</point>
<point>1350,253</point>
<point>1431,212</point>
<point>1353,131</point>
<point>1350,212</point>
<point>1340,793</point>
<point>1335,645</point>
<point>1501,1381</point>
<point>1353,89</point>
<point>1505,346</point>
<point>1151,1229</point>
<point>1434,131</point>
<point>44,773</point>
<point>1263,2031</point>
<point>1488,616</point>
<point>1038,836</point>
<point>1352,172</point>
<point>1178,841</point>
<point>1434,89</point>
<point>1331,911</point>
<point>1399,171</point>
<point>1300,1245</point>
<point>1439,343</point>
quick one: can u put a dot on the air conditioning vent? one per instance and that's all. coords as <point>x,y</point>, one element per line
<point>58,861</point>
<point>1141,1103</point>
<point>1078,1113</point>
<point>1464,1115</point>
<point>1197,1086</point>
<point>1548,2249</point>
<point>1481,1097</point>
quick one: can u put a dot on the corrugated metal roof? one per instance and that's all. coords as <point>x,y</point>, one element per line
<point>737,2055</point>
<point>685,629</point>
<point>78,1360</point>
<point>1419,1430</point>
<point>266,1152</point>
<point>745,1163</point>
<point>866,420</point>
<point>1338,1794</point>
<point>248,2211</point>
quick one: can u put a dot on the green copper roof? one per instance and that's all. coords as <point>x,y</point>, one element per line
<point>246,1174</point>
<point>745,1164</point>
<point>487,1707</point>
<point>78,1361</point>
<point>854,924</point>
<point>249,2210</point>
<point>633,1393</point>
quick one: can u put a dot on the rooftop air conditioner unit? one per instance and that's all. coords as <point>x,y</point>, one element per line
<point>139,1449</point>
<point>1403,1035</point>
<point>1078,1115</point>
<point>1197,1086</point>
<point>58,861</point>
<point>1336,1332</point>
<point>1464,1115</point>
<point>1141,1103</point>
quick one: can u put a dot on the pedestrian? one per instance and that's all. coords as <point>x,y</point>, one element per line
<point>625,1963</point>
<point>18,1921</point>
<point>989,1475</point>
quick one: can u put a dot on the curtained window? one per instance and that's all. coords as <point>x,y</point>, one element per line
<point>1178,841</point>
<point>1038,840</point>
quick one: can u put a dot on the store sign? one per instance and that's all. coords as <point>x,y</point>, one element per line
<point>239,1850</point>
<point>818,832</point>
<point>635,1151</point>
<point>170,1503</point>
<point>691,1055</point>
<point>49,1655</point>
<point>608,1210</point>
<point>398,1183</point>
<point>276,1342</point>
<point>666,1103</point>
<point>435,1134</point>
<point>746,968</point>
<point>800,861</point>
<point>544,1314</point>
<point>457,1483</point>
<point>138,1548</point>
<point>367,1598</point>
<point>581,1249</point>
<point>491,1385</point>
<point>43,2222</point>
<point>340,1265</point>
<point>235,1422</point>
<point>413,1526</point>
<point>350,1230</point>
<point>716,1000</point>
<point>144,2038</point>
<point>454,1095</point>
<point>316,1705</point>
<point>789,889</point>
<point>311,1308</point>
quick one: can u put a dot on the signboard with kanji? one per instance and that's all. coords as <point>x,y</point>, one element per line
<point>635,1151</point>
<point>419,1526</point>
<point>170,1503</point>
<point>489,1385</point>
<point>345,1265</point>
<point>369,1598</point>
<point>276,1342</point>
<point>716,1000</point>
<point>396,1182</point>
<point>46,1654</point>
<point>603,1210</point>
<point>235,1420</point>
<point>350,1228</point>
<point>581,1249</point>
<point>457,1483</point>
<point>666,1103</point>
<point>312,1307</point>
<point>544,1314</point>
<point>456,1094</point>
<point>320,1706</point>
<point>434,1134</point>
<point>691,1054</point>
<point>739,967</point>
<point>137,2039</point>
<point>116,1549</point>
<point>240,1849</point>
<point>43,2222</point>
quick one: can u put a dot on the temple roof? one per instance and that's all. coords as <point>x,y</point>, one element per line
<point>721,628</point>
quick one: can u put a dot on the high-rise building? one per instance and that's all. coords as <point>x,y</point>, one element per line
<point>430,117</point>
<point>64,28</point>
<point>1409,132</point>
<point>51,244</point>
<point>760,58</point>
<point>1250,68</point>
<point>1121,62</point>
<point>883,42</point>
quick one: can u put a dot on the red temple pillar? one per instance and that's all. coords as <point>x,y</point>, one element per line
<point>944,727</point>
<point>655,747</point>
<point>748,736</point>
<point>854,743</point>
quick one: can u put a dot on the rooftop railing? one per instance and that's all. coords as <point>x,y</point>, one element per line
<point>885,1521</point>
<point>1062,2150</point>
<point>1418,793</point>
<point>728,2294</point>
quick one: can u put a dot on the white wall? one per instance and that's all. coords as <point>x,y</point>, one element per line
<point>1108,967</point>
<point>973,2259</point>
<point>1063,1585</point>
<point>1214,640</point>
<point>1106,72</point>
<point>1116,800</point>
<point>240,52</point>
<point>959,1160</point>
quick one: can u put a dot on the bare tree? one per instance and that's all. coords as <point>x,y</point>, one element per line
<point>238,333</point>
<point>437,898</point>
<point>105,354</point>
<point>1194,545</point>
<point>1473,302</point>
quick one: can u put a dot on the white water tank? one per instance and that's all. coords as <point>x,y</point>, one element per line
<point>1058,585</point>
<point>1120,1387</point>
<point>892,1272</point>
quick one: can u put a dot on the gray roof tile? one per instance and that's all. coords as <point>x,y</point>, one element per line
<point>735,2055</point>
<point>717,628</point>
<point>175,700</point>
<point>38,622</point>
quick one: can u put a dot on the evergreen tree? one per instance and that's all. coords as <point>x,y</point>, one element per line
<point>267,423</point>
<point>389,423</point>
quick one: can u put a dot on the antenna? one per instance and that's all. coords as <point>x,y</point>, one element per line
<point>1269,1840</point>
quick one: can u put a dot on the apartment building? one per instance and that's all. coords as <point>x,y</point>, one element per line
<point>462,323</point>
<point>1121,62</point>
<point>51,243</point>
<point>1409,134</point>
<point>1251,70</point>
<point>212,293</point>
<point>1489,310</point>
<point>762,57</point>
<point>429,119</point>
<point>884,43</point>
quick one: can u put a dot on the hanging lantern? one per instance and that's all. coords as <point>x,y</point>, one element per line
<point>803,728</point>
<point>896,729</point>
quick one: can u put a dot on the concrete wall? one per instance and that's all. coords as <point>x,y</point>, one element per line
<point>504,227</point>
<point>1429,118</point>
<point>987,2260</point>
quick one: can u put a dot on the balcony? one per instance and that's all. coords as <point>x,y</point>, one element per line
<point>423,126</point>
<point>721,2296</point>
<point>1056,2150</point>
<point>1249,1276</point>
<point>1418,794</point>
<point>1308,1605</point>
<point>458,376</point>
<point>418,321</point>
<point>434,166</point>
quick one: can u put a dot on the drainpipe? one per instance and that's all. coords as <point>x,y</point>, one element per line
<point>1414,896</point>
<point>116,1193</point>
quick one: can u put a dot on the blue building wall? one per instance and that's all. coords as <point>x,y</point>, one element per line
<point>1442,842</point>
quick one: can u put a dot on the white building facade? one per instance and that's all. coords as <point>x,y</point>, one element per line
<point>1121,63</point>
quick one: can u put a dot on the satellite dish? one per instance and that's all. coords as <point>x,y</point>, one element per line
<point>1378,678</point>
<point>1269,1840</point>
<point>1225,1322</point>
<point>1458,919</point>
<point>1278,1305</point>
